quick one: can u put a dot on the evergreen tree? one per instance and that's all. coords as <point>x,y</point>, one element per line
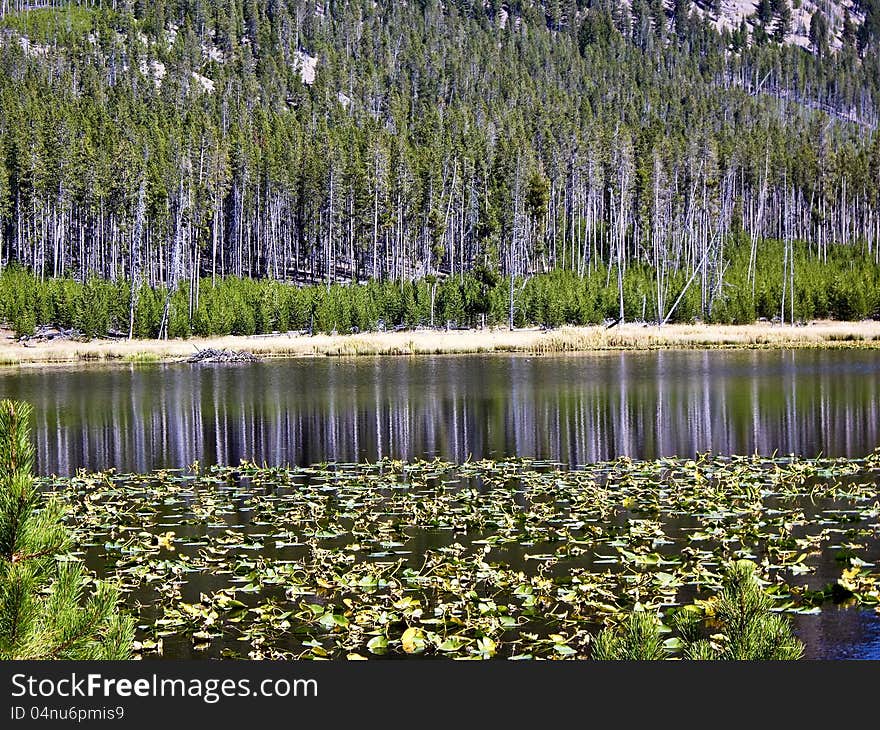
<point>818,33</point>
<point>740,37</point>
<point>753,632</point>
<point>47,608</point>
<point>681,13</point>
<point>639,641</point>
<point>641,24</point>
<point>749,630</point>
<point>869,32</point>
<point>305,144</point>
<point>848,31</point>
<point>782,13</point>
<point>658,16</point>
<point>597,28</point>
<point>764,12</point>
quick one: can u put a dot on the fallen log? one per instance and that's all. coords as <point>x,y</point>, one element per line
<point>47,333</point>
<point>211,354</point>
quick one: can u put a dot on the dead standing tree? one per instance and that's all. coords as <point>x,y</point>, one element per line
<point>135,250</point>
<point>174,270</point>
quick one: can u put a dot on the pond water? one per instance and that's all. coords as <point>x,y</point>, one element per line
<point>573,409</point>
<point>317,561</point>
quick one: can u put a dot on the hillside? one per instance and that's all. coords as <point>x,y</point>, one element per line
<point>732,13</point>
<point>159,143</point>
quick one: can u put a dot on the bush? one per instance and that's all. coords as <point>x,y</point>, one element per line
<point>750,631</point>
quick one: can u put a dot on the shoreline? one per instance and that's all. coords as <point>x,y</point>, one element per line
<point>824,334</point>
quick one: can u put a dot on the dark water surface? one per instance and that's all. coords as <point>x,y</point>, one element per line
<point>573,409</point>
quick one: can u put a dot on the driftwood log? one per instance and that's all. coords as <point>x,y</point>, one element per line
<point>47,333</point>
<point>213,355</point>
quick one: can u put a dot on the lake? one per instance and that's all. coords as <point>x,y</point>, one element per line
<point>576,409</point>
<point>571,409</point>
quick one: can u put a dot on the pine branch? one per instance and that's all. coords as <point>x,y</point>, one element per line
<point>42,613</point>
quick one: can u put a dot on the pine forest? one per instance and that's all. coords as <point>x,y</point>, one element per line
<point>236,166</point>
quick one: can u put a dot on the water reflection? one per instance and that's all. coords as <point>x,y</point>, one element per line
<point>574,409</point>
<point>839,633</point>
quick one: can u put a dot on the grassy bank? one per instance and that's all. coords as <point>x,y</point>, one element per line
<point>823,334</point>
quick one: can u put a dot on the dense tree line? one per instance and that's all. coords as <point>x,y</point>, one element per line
<point>846,286</point>
<point>154,145</point>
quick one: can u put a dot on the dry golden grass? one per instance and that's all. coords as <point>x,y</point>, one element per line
<point>421,342</point>
<point>865,334</point>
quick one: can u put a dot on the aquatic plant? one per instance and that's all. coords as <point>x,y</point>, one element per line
<point>49,608</point>
<point>511,558</point>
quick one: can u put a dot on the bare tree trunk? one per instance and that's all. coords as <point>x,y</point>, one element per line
<point>135,254</point>
<point>175,261</point>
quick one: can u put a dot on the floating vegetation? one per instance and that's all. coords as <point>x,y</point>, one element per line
<point>516,558</point>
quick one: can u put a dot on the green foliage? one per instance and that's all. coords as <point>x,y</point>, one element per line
<point>19,301</point>
<point>148,312</point>
<point>639,641</point>
<point>749,630</point>
<point>178,313</point>
<point>843,285</point>
<point>98,310</point>
<point>597,28</point>
<point>435,144</point>
<point>49,607</point>
<point>818,32</point>
<point>752,631</point>
<point>49,24</point>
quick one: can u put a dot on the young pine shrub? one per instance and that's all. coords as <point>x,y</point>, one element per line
<point>639,641</point>
<point>48,607</point>
<point>750,631</point>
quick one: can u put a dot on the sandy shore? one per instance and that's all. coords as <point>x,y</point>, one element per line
<point>828,334</point>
